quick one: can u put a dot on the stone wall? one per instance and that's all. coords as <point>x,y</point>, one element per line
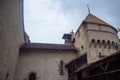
<point>45,64</point>
<point>11,36</point>
<point>95,39</point>
<point>105,38</point>
<point>81,40</point>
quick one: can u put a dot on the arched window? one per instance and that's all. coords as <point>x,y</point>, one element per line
<point>104,43</point>
<point>113,45</point>
<point>32,76</point>
<point>116,46</point>
<point>99,43</point>
<point>109,44</point>
<point>93,43</point>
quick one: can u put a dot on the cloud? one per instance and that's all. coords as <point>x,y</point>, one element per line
<point>44,22</point>
<point>47,20</point>
<point>108,10</point>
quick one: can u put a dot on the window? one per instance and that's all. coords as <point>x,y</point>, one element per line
<point>99,43</point>
<point>113,45</point>
<point>82,47</point>
<point>104,43</point>
<point>100,55</point>
<point>7,76</point>
<point>109,44</point>
<point>93,43</point>
<point>61,67</point>
<point>32,76</point>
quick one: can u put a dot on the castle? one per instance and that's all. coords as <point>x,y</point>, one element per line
<point>22,60</point>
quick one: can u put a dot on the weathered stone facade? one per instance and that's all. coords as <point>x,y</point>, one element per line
<point>11,36</point>
<point>96,38</point>
<point>44,63</point>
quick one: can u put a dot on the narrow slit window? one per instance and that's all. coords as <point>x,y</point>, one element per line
<point>61,68</point>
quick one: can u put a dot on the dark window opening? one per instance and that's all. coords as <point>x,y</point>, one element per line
<point>113,45</point>
<point>32,76</point>
<point>61,68</point>
<point>101,55</point>
<point>93,43</point>
<point>7,76</point>
<point>109,44</point>
<point>82,47</point>
<point>99,43</point>
<point>104,44</point>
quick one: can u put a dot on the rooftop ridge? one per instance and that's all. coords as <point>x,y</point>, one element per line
<point>46,46</point>
<point>93,19</point>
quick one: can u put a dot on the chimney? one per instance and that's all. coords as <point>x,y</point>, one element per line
<point>72,36</point>
<point>68,38</point>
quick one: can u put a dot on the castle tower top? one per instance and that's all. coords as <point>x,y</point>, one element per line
<point>93,19</point>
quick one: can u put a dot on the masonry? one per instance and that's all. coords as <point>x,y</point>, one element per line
<point>94,41</point>
<point>11,36</point>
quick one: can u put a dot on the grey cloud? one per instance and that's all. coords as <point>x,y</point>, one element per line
<point>66,15</point>
<point>104,8</point>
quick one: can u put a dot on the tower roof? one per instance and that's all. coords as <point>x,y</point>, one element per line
<point>93,19</point>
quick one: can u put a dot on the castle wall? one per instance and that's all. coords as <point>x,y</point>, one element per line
<point>80,40</point>
<point>105,41</point>
<point>11,36</point>
<point>45,64</point>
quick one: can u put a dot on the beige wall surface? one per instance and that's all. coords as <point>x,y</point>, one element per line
<point>100,33</point>
<point>11,36</point>
<point>86,33</point>
<point>80,40</point>
<point>44,64</point>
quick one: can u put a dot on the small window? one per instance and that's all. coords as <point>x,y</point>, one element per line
<point>109,44</point>
<point>101,55</point>
<point>7,75</point>
<point>104,43</point>
<point>61,67</point>
<point>93,43</point>
<point>82,47</point>
<point>99,43</point>
<point>32,76</point>
<point>113,45</point>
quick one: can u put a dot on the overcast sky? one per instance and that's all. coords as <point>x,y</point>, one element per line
<point>46,21</point>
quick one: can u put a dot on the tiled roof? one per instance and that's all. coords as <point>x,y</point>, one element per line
<point>93,19</point>
<point>44,46</point>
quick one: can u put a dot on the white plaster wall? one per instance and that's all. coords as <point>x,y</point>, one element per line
<point>45,64</point>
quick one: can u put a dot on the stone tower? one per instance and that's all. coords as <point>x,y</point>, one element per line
<point>11,36</point>
<point>96,38</point>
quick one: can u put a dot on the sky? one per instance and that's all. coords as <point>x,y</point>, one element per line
<point>46,21</point>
